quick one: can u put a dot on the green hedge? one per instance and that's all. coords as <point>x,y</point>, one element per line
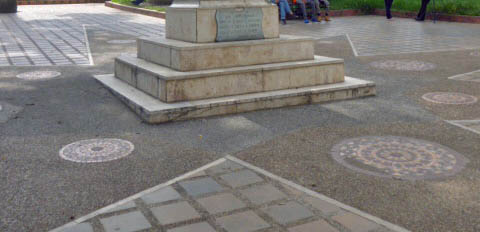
<point>456,7</point>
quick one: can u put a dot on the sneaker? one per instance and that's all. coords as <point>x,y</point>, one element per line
<point>284,22</point>
<point>327,18</point>
<point>319,18</point>
<point>314,20</point>
<point>306,21</point>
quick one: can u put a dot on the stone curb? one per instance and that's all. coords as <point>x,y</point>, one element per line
<point>48,2</point>
<point>136,10</point>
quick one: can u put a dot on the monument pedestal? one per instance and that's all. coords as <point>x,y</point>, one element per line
<point>191,77</point>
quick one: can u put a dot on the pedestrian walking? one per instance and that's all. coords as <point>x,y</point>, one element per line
<point>388,6</point>
<point>423,11</point>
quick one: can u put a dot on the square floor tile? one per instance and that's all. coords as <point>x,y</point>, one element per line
<point>197,227</point>
<point>124,206</point>
<point>128,222</point>
<point>221,203</point>
<point>174,213</point>
<point>355,223</point>
<point>201,186</point>
<point>241,178</point>
<point>162,195</point>
<point>82,227</point>
<point>319,225</point>
<point>322,205</point>
<point>263,194</point>
<point>242,222</point>
<point>287,213</point>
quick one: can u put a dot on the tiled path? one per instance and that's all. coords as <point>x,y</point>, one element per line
<point>370,36</point>
<point>46,35</point>
<point>233,196</point>
<point>39,35</point>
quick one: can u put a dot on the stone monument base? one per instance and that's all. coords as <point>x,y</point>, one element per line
<point>153,110</point>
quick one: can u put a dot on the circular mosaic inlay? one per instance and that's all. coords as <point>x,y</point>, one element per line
<point>38,75</point>
<point>449,98</point>
<point>399,157</point>
<point>403,65</point>
<point>96,150</point>
<point>121,41</point>
<point>475,53</point>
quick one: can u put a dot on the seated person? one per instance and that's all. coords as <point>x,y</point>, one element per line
<point>326,5</point>
<point>284,9</point>
<point>313,5</point>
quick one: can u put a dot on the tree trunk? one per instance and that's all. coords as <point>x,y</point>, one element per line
<point>8,6</point>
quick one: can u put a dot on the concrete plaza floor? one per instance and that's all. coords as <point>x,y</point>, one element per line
<point>408,61</point>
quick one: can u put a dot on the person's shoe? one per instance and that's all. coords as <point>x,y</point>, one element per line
<point>306,21</point>
<point>319,18</point>
<point>314,20</point>
<point>284,22</point>
<point>327,18</point>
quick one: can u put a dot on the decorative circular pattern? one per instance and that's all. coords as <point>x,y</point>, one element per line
<point>475,53</point>
<point>399,157</point>
<point>403,65</point>
<point>96,150</point>
<point>449,98</point>
<point>38,75</point>
<point>121,41</point>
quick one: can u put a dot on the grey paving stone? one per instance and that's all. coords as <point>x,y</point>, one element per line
<point>197,227</point>
<point>227,166</point>
<point>321,205</point>
<point>162,195</point>
<point>320,225</point>
<point>241,178</point>
<point>127,205</point>
<point>242,222</point>
<point>82,227</point>
<point>174,213</point>
<point>128,222</point>
<point>355,223</point>
<point>221,203</point>
<point>200,186</point>
<point>288,213</point>
<point>263,194</point>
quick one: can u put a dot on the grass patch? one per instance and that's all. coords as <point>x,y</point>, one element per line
<point>455,7</point>
<point>129,3</point>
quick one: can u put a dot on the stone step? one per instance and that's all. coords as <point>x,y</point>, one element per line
<point>185,56</point>
<point>152,110</point>
<point>169,85</point>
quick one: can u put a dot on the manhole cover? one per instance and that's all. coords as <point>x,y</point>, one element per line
<point>38,75</point>
<point>121,41</point>
<point>449,98</point>
<point>475,53</point>
<point>399,157</point>
<point>403,65</point>
<point>96,150</point>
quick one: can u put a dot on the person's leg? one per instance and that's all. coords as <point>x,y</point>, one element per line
<point>284,9</point>
<point>388,6</point>
<point>423,11</point>
<point>313,5</point>
<point>304,10</point>
<point>327,10</point>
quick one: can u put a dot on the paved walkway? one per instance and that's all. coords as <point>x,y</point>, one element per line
<point>59,127</point>
<point>229,195</point>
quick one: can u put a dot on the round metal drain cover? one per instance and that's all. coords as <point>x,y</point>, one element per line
<point>121,41</point>
<point>96,150</point>
<point>398,157</point>
<point>38,75</point>
<point>449,98</point>
<point>403,65</point>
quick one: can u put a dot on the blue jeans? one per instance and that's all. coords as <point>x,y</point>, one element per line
<point>313,5</point>
<point>284,8</point>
